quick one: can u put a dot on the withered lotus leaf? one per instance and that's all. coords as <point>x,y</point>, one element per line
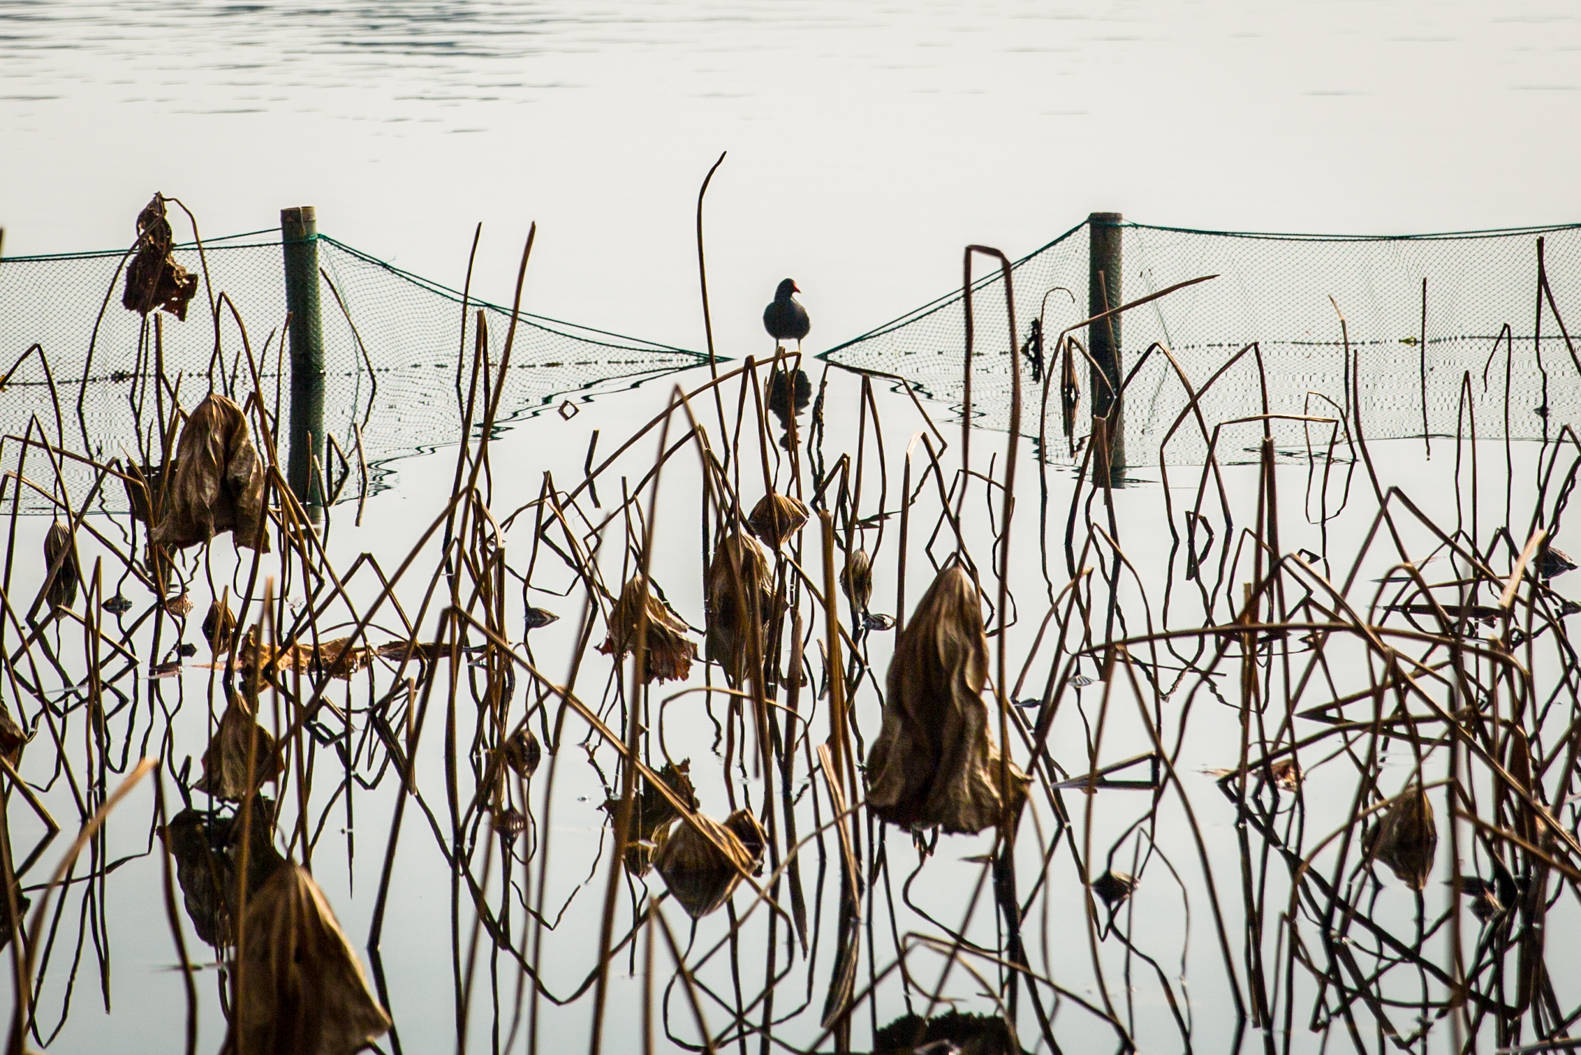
<point>153,278</point>
<point>303,988</point>
<point>225,762</point>
<point>670,653</point>
<point>650,810</point>
<point>217,484</point>
<point>952,1031</point>
<point>700,869</point>
<point>738,597</point>
<point>523,752</point>
<point>777,517</point>
<point>856,579</point>
<point>935,762</point>
<point>337,657</point>
<point>218,625</point>
<point>61,588</point>
<point>206,846</point>
<point>1405,837</point>
<point>12,737</point>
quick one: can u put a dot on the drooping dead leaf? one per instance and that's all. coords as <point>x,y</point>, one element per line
<point>206,846</point>
<point>702,870</point>
<point>1405,837</point>
<point>217,484</point>
<point>650,810</point>
<point>856,579</point>
<point>670,653</point>
<point>12,737</point>
<point>952,1031</point>
<point>738,597</point>
<point>218,625</point>
<point>1114,887</point>
<point>777,517</point>
<point>225,763</point>
<point>304,992</point>
<point>153,278</point>
<point>523,752</point>
<point>261,664</point>
<point>934,762</point>
<point>61,587</point>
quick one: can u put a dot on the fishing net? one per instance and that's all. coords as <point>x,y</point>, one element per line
<point>83,372</point>
<point>1285,294</point>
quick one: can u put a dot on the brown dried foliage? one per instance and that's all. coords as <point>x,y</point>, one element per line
<point>304,992</point>
<point>702,870</point>
<point>153,278</point>
<point>207,851</point>
<point>218,625</point>
<point>1405,837</point>
<point>670,653</point>
<point>777,517</point>
<point>738,597</point>
<point>61,588</point>
<point>12,737</point>
<point>934,762</point>
<point>238,739</point>
<point>856,578</point>
<point>217,482</point>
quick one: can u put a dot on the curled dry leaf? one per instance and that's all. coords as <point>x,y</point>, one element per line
<point>777,517</point>
<point>856,579</point>
<point>304,989</point>
<point>1405,837</point>
<point>12,737</point>
<point>217,484</point>
<point>952,1031</point>
<point>539,617</point>
<point>337,657</point>
<point>179,605</point>
<point>508,822</point>
<point>934,762</point>
<point>670,653</point>
<point>702,862</point>
<point>61,587</point>
<point>650,810</point>
<point>153,278</point>
<point>218,625</point>
<point>523,752</point>
<point>1114,887</point>
<point>206,846</point>
<point>738,597</point>
<point>225,762</point>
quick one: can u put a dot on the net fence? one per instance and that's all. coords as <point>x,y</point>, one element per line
<point>1493,358</point>
<point>82,372</point>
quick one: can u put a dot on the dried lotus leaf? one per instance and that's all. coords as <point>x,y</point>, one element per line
<point>206,846</point>
<point>217,484</point>
<point>934,762</point>
<point>12,737</point>
<point>777,517</point>
<point>856,579</point>
<point>60,564</point>
<point>738,595</point>
<point>304,991</point>
<point>523,752</point>
<point>701,861</point>
<point>153,278</point>
<point>745,825</point>
<point>238,741</point>
<point>651,811</point>
<point>670,653</point>
<point>1405,837</point>
<point>218,625</point>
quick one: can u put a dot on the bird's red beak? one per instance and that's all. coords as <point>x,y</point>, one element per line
<point>795,288</point>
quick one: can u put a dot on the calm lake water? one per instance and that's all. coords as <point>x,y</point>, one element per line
<point>866,146</point>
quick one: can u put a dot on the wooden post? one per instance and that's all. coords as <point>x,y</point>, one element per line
<point>299,242</point>
<point>1103,341</point>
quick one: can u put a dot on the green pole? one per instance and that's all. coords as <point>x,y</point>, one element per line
<point>1103,342</point>
<point>299,243</point>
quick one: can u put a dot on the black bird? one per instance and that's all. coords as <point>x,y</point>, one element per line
<point>784,318</point>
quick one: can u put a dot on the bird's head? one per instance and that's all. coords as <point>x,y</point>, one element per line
<point>786,288</point>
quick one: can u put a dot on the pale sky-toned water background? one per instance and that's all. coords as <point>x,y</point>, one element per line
<point>867,143</point>
<point>866,146</point>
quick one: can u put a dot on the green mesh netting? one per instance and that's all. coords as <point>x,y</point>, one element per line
<point>1275,290</point>
<point>392,359</point>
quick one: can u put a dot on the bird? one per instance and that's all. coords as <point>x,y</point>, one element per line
<point>784,318</point>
